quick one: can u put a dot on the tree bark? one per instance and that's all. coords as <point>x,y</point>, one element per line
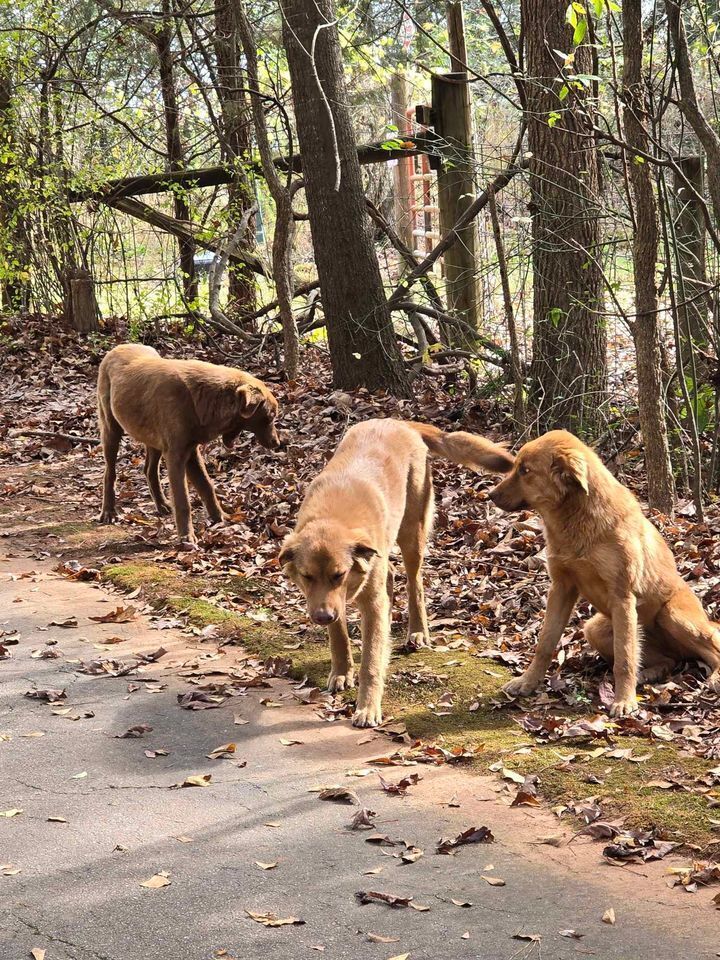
<point>569,370</point>
<point>236,144</point>
<point>364,350</point>
<point>13,229</point>
<point>645,327</point>
<point>161,37</point>
<point>282,196</point>
<point>690,234</point>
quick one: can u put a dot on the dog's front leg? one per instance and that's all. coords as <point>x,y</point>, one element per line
<point>626,656</point>
<point>176,467</point>
<point>374,606</point>
<point>342,669</point>
<point>561,600</point>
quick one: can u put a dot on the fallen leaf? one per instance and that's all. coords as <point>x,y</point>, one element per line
<point>37,953</point>
<point>493,881</point>
<point>197,780</point>
<point>338,795</point>
<point>139,730</point>
<point>219,753</point>
<point>272,920</point>
<point>532,937</point>
<point>8,814</point>
<point>266,866</point>
<point>291,743</point>
<point>56,820</point>
<point>471,835</point>
<point>157,881</point>
<point>379,938</point>
<point>67,622</point>
<point>51,695</point>
<point>118,615</point>
<point>609,916</point>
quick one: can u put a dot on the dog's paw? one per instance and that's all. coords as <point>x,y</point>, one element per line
<point>187,545</point>
<point>520,686</point>
<point>164,509</point>
<point>367,716</point>
<point>107,516</point>
<point>341,681</point>
<point>417,641</point>
<point>625,707</point>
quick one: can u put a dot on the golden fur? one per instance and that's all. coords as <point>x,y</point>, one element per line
<point>172,406</point>
<point>375,492</point>
<point>601,547</point>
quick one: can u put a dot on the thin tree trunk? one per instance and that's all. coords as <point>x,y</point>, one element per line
<point>13,235</point>
<point>282,195</point>
<point>515,363</point>
<point>364,350</point>
<point>162,39</point>
<point>236,144</point>
<point>569,341</point>
<point>645,328</point>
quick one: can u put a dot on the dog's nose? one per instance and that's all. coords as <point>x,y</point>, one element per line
<point>323,617</point>
<point>494,496</point>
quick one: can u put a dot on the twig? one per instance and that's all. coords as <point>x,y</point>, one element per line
<point>72,437</point>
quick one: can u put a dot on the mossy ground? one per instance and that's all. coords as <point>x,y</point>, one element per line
<point>624,788</point>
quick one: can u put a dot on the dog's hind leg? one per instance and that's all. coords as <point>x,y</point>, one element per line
<point>412,539</point>
<point>152,475</point>
<point>203,484</point>
<point>654,664</point>
<point>110,434</point>
<point>342,669</point>
<point>694,635</point>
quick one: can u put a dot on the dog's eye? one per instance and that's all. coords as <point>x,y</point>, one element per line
<point>336,577</point>
<point>306,576</point>
<point>523,470</point>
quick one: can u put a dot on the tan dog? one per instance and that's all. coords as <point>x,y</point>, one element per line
<point>601,547</point>
<point>172,406</point>
<point>377,490</point>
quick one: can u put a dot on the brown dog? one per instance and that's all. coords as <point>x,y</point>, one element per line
<point>600,546</point>
<point>376,491</point>
<point>172,406</point>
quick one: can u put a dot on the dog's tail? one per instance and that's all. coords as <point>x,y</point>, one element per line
<point>465,448</point>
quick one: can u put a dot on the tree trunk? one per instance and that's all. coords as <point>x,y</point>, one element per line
<point>364,350</point>
<point>569,342</point>
<point>282,196</point>
<point>645,328</point>
<point>13,229</point>
<point>236,143</point>
<point>162,39</point>
<point>690,236</point>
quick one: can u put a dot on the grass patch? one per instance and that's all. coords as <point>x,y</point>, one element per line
<point>471,680</point>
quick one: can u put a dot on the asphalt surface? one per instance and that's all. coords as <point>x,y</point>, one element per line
<point>72,886</point>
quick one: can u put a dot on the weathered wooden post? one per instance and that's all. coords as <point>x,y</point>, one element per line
<point>456,180</point>
<point>81,309</point>
<point>690,239</point>
<point>401,173</point>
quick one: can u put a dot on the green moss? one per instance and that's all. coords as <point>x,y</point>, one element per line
<point>472,681</point>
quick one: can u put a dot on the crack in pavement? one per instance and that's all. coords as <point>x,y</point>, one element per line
<point>53,938</point>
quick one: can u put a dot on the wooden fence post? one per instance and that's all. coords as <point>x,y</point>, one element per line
<point>401,173</point>
<point>456,191</point>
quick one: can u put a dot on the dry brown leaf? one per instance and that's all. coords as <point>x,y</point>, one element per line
<point>493,881</point>
<point>157,881</point>
<point>272,920</point>
<point>37,953</point>
<point>609,916</point>
<point>266,866</point>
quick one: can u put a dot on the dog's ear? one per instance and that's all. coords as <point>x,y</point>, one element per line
<point>569,469</point>
<point>248,400</point>
<point>287,554</point>
<point>362,554</point>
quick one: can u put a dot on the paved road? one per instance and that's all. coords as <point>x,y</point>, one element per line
<point>78,894</point>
